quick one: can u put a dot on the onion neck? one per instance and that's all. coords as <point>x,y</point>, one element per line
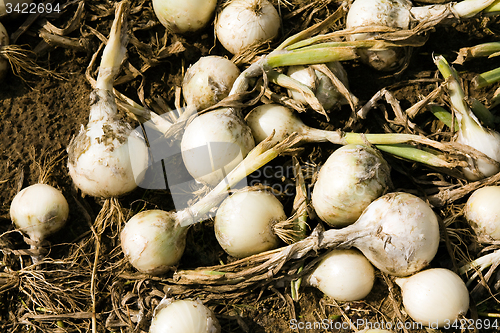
<point>462,9</point>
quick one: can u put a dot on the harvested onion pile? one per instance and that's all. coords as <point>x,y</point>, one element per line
<point>256,165</point>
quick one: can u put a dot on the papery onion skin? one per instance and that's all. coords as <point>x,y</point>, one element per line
<point>153,242</point>
<point>482,211</point>
<point>39,210</point>
<point>434,297</point>
<point>409,224</point>
<point>106,159</point>
<point>243,23</point>
<point>183,316</point>
<point>229,139</point>
<point>208,81</point>
<point>184,16</point>
<point>244,223</point>
<point>351,178</point>
<point>4,41</point>
<point>344,275</point>
<point>326,92</point>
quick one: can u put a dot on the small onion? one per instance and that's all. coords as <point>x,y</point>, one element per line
<point>351,178</point>
<point>39,210</point>
<point>244,223</point>
<point>243,23</point>
<point>326,92</point>
<point>208,81</point>
<point>344,275</point>
<point>482,211</point>
<point>183,316</point>
<point>152,242</point>
<point>4,41</point>
<point>214,143</point>
<point>434,297</point>
<point>184,16</point>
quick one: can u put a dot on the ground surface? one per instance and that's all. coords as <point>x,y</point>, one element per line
<point>40,115</point>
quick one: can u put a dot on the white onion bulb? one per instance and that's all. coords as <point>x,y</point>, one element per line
<point>184,16</point>
<point>208,81</point>
<point>183,316</point>
<point>38,211</point>
<point>351,178</point>
<point>214,143</point>
<point>243,23</point>
<point>4,41</point>
<point>390,13</point>
<point>244,223</point>
<point>153,242</point>
<point>434,297</point>
<point>344,275</point>
<point>326,92</point>
<point>107,159</point>
<point>482,211</point>
<point>398,233</point>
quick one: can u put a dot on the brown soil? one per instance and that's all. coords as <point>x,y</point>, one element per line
<point>38,117</point>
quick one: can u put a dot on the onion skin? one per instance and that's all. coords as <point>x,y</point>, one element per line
<point>208,81</point>
<point>344,275</point>
<point>482,211</point>
<point>4,41</point>
<point>434,297</point>
<point>243,23</point>
<point>244,223</point>
<point>183,316</point>
<point>184,16</point>
<point>153,242</point>
<point>39,210</point>
<point>351,178</point>
<point>229,138</point>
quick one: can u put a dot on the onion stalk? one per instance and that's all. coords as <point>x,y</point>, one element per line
<point>265,119</point>
<point>151,234</point>
<point>470,131</point>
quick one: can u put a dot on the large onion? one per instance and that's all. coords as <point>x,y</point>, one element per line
<point>351,178</point>
<point>107,158</point>
<point>184,16</point>
<point>243,23</point>
<point>214,143</point>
